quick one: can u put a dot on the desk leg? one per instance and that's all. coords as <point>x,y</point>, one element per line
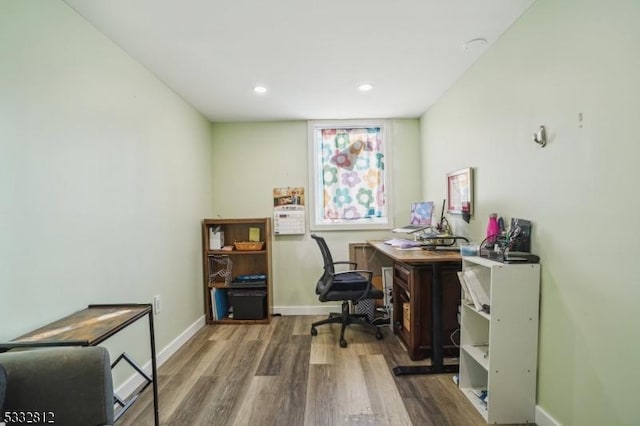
<point>154,369</point>
<point>436,320</point>
<point>437,340</point>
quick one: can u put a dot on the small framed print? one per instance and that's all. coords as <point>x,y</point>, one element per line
<point>460,191</point>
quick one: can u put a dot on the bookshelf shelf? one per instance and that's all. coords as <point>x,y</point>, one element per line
<point>479,353</point>
<point>498,350</point>
<point>236,252</point>
<point>220,267</point>
<point>480,313</point>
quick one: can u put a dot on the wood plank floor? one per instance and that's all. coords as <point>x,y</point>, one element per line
<point>277,374</point>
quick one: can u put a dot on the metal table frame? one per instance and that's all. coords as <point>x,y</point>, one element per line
<point>90,327</point>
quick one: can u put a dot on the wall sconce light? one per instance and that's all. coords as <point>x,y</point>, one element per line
<point>540,137</point>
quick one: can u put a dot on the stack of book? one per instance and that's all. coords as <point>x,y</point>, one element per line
<point>219,303</point>
<point>249,281</point>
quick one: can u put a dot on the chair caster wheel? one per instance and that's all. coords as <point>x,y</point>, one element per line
<point>314,331</point>
<point>379,335</point>
<point>343,343</point>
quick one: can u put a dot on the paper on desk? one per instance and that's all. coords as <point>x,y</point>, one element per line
<point>401,243</point>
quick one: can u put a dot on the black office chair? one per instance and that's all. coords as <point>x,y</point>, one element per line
<point>347,286</point>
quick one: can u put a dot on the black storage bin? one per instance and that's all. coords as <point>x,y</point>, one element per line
<point>248,303</point>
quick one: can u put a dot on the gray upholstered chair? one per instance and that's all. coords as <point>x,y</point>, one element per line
<point>67,385</point>
<point>3,385</point>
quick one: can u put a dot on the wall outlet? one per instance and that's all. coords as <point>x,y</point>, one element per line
<point>157,304</point>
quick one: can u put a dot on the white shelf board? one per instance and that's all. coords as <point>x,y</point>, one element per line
<point>472,308</point>
<point>477,352</point>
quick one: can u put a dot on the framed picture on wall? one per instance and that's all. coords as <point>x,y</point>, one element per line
<point>460,191</point>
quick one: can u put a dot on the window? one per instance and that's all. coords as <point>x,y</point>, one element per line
<point>348,179</point>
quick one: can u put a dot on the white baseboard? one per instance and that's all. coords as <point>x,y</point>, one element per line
<point>135,380</point>
<point>306,310</point>
<point>544,419</point>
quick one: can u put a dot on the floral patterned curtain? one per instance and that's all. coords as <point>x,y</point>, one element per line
<point>353,173</point>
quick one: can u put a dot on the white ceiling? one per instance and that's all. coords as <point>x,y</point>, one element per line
<point>311,55</point>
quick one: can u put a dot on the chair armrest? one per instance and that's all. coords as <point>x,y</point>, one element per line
<point>74,384</point>
<point>346,262</point>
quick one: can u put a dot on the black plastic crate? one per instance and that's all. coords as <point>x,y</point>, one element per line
<point>248,303</point>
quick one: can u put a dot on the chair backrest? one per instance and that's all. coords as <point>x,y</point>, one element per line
<point>326,254</point>
<point>325,281</point>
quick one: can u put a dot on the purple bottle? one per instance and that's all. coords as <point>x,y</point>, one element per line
<point>493,229</point>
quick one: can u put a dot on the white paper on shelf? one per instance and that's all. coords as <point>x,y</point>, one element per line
<point>465,290</point>
<point>469,294</point>
<point>476,288</point>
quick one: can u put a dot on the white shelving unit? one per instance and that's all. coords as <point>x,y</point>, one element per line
<point>499,350</point>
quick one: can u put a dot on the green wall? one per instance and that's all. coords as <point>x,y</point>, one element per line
<point>104,178</point>
<point>561,59</point>
<point>250,159</point>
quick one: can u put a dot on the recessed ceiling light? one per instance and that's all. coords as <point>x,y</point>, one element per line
<point>474,43</point>
<point>260,90</point>
<point>365,87</point>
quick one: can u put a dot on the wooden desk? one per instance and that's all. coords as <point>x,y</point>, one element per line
<point>426,281</point>
<point>90,327</point>
<point>416,257</point>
